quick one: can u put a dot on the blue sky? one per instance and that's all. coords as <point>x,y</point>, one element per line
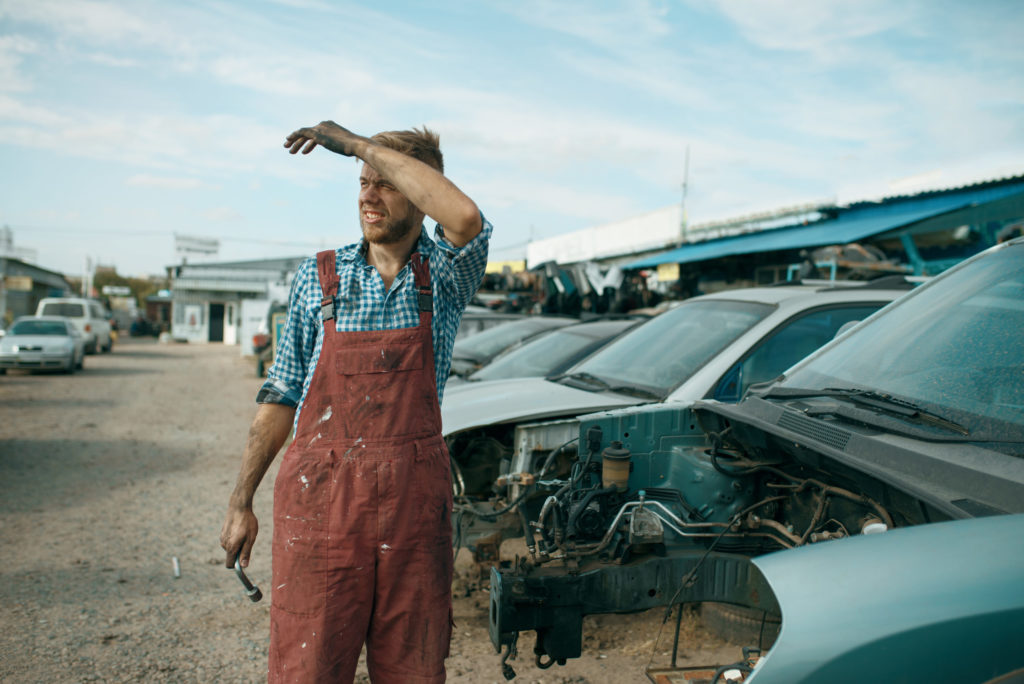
<point>123,123</point>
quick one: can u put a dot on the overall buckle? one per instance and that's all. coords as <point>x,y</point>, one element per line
<point>327,308</point>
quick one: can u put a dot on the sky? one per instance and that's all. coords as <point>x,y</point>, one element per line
<point>126,123</point>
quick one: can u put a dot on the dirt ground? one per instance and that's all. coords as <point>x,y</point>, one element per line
<point>109,475</point>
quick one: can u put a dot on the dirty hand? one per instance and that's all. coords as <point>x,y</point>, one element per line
<point>327,134</point>
<point>238,535</point>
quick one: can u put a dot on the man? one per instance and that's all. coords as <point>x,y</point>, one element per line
<point>362,501</point>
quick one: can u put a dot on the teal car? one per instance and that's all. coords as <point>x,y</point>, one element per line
<point>867,506</point>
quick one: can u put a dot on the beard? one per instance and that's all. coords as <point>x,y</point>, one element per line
<point>388,232</point>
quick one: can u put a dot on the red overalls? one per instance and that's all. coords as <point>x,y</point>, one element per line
<point>362,547</point>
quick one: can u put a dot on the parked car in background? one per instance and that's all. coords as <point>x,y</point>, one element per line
<point>476,319</point>
<point>712,346</point>
<point>473,352</point>
<point>42,343</point>
<point>87,315</point>
<point>871,500</point>
<point>553,351</point>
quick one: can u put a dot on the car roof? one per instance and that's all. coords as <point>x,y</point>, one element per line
<point>821,291</point>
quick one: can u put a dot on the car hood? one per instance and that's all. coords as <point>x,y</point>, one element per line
<point>472,405</point>
<point>899,606</point>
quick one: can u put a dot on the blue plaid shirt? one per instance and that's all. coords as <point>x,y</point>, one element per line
<point>362,304</point>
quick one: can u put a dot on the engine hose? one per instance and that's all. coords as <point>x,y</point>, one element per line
<point>531,544</point>
<point>551,457</point>
<point>493,516</point>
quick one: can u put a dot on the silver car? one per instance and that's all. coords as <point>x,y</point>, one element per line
<point>41,343</point>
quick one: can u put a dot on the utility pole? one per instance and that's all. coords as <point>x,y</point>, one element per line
<point>686,180</point>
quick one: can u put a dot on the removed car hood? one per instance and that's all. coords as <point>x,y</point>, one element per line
<point>898,602</point>
<point>472,405</point>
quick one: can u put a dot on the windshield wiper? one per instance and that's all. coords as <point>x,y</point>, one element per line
<point>587,378</point>
<point>873,399</point>
<point>636,391</point>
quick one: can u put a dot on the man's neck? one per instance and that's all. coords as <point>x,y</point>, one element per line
<point>390,259</point>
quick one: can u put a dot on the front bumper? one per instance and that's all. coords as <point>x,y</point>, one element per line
<point>34,361</point>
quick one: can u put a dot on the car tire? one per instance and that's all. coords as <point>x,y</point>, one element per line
<point>740,625</point>
<point>69,367</point>
<point>81,362</point>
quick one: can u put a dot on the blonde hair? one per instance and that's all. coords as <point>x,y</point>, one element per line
<point>418,143</point>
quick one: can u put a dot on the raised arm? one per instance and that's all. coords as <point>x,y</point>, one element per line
<point>424,186</point>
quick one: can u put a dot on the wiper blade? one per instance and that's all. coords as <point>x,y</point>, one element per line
<point>587,378</point>
<point>635,391</point>
<point>874,399</point>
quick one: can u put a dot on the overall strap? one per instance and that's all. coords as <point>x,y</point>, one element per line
<point>327,273</point>
<point>425,295</point>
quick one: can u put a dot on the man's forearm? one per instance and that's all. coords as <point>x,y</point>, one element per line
<point>428,189</point>
<point>269,430</point>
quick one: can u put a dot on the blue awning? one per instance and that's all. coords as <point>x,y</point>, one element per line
<point>851,225</point>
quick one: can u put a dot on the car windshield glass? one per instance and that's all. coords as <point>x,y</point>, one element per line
<point>486,344</point>
<point>663,352</point>
<point>953,349</point>
<point>535,358</point>
<point>38,328</point>
<point>70,309</point>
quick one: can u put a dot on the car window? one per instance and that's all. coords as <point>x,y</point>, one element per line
<point>536,357</point>
<point>662,353</point>
<point>791,342</point>
<point>70,309</point>
<point>38,328</point>
<point>954,348</point>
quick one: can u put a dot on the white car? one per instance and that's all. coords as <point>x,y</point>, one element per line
<point>712,346</point>
<point>88,316</point>
<point>41,343</point>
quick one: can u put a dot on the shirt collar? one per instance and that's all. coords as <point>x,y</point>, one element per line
<point>356,252</point>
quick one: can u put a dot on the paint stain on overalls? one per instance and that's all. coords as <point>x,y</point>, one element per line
<point>362,510</point>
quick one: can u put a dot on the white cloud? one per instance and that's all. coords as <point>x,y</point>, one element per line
<point>13,50</point>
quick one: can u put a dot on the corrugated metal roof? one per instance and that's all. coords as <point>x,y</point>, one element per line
<point>849,226</point>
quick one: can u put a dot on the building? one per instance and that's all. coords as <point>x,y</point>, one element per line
<point>226,302</point>
<point>22,285</point>
<point>923,234</point>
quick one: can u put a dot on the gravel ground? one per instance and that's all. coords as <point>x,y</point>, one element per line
<point>109,475</point>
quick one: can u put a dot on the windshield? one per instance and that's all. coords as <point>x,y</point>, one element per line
<point>70,309</point>
<point>38,328</point>
<point>539,356</point>
<point>663,352</point>
<point>955,348</point>
<point>484,345</point>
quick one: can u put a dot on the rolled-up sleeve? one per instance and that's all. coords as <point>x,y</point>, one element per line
<point>286,376</point>
<point>463,267</point>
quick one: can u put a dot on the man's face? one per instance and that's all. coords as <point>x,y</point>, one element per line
<point>385,215</point>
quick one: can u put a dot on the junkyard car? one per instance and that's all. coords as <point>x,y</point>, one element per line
<point>710,346</point>
<point>473,352</point>
<point>41,343</point>
<point>871,499</point>
<point>553,351</point>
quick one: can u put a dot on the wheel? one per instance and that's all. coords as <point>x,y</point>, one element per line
<point>3,371</point>
<point>69,367</point>
<point>81,362</point>
<point>740,625</point>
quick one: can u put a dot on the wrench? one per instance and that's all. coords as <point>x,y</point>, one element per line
<point>251,590</point>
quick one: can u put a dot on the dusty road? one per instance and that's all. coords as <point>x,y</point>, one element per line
<point>108,475</point>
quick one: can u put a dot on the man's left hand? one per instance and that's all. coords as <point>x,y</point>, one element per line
<point>328,135</point>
